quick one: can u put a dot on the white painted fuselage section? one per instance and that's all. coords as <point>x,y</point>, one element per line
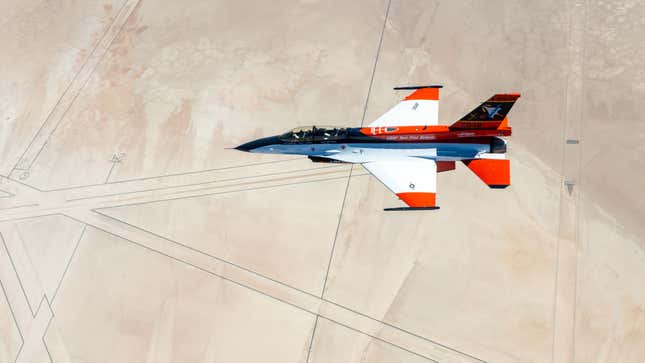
<point>370,152</point>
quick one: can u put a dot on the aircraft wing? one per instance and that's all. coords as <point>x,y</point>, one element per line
<point>413,180</point>
<point>421,107</point>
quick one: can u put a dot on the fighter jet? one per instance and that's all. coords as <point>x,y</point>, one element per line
<point>405,148</point>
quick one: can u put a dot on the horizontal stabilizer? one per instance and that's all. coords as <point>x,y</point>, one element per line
<point>496,173</point>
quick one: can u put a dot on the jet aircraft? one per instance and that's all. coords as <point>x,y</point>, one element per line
<point>405,147</point>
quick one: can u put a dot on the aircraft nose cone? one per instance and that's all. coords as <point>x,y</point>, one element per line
<point>248,146</point>
<point>252,145</point>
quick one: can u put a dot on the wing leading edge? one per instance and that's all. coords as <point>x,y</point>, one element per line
<point>413,180</point>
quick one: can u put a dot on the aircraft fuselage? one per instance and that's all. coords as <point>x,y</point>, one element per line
<point>405,147</point>
<point>361,145</point>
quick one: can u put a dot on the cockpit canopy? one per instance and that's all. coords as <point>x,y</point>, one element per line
<point>309,134</point>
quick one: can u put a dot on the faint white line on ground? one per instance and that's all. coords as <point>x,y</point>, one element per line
<point>73,90</point>
<point>201,183</point>
<point>567,243</point>
<point>166,176</point>
<point>351,170</point>
<point>313,336</point>
<point>280,291</point>
<point>69,262</point>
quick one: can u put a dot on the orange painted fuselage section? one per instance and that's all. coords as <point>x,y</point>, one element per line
<point>431,133</point>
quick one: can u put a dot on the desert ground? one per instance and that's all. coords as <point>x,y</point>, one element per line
<point>130,232</point>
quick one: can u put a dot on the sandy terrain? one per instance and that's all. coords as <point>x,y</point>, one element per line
<point>131,233</point>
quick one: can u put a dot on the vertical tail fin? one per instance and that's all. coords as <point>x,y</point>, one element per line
<point>489,115</point>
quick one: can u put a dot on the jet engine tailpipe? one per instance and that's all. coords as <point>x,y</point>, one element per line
<point>497,145</point>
